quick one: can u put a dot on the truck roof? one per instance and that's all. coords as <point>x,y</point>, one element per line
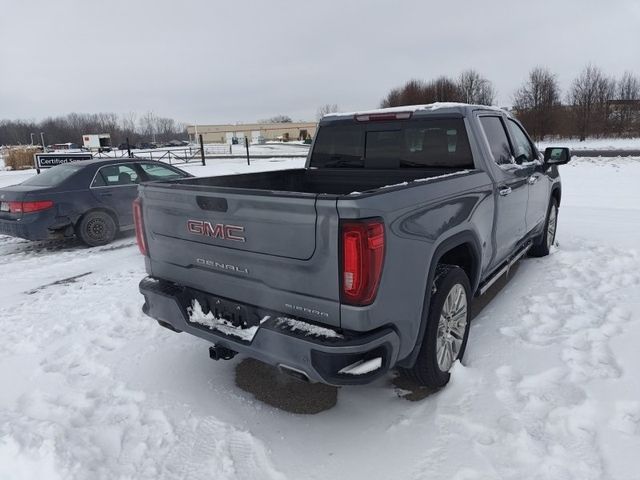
<point>439,107</point>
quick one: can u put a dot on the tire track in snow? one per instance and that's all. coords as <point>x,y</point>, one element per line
<point>72,412</point>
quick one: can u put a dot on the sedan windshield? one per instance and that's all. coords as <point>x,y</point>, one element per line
<point>53,176</point>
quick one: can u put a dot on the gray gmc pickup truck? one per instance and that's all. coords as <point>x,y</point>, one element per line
<point>364,260</point>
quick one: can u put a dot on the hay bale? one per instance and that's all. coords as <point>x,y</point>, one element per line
<point>20,158</point>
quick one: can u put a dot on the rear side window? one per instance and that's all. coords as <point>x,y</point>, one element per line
<point>441,143</point>
<point>115,176</point>
<point>498,140</point>
<point>160,172</point>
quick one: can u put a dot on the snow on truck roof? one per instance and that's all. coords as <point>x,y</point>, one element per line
<point>429,107</point>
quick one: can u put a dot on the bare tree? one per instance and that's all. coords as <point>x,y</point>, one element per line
<point>445,90</point>
<point>588,97</point>
<point>416,92</point>
<point>536,102</point>
<point>626,107</point>
<point>475,89</point>
<point>326,109</point>
<point>71,128</point>
<point>277,119</point>
<point>148,125</point>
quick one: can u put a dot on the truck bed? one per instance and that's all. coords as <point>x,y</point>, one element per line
<point>334,181</point>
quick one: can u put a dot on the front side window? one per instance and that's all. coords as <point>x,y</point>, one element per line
<point>523,150</point>
<point>116,176</point>
<point>498,140</point>
<point>160,172</point>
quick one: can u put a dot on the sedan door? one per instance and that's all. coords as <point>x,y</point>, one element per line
<point>116,187</point>
<point>512,192</point>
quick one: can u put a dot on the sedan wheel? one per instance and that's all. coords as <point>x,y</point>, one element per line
<point>97,228</point>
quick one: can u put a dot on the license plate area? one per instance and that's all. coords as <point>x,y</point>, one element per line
<point>238,315</point>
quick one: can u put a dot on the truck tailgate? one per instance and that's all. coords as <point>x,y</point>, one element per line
<point>272,256</point>
<point>283,226</point>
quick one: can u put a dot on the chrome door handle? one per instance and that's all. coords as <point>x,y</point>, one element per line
<point>532,179</point>
<point>504,191</point>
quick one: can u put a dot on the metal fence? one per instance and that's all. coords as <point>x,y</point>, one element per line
<point>170,155</point>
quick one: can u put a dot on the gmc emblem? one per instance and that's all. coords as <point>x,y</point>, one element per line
<point>219,230</point>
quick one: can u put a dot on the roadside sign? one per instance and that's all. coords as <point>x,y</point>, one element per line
<point>48,160</point>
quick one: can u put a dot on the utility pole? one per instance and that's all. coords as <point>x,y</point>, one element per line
<point>42,139</point>
<point>32,134</point>
<point>204,163</point>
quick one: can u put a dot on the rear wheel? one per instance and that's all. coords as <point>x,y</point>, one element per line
<point>542,246</point>
<point>97,228</point>
<point>445,338</point>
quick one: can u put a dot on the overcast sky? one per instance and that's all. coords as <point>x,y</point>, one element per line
<point>211,61</point>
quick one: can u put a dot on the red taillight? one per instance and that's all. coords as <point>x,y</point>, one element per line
<point>362,259</point>
<point>29,207</point>
<point>137,219</point>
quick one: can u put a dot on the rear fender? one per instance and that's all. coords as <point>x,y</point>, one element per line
<point>462,238</point>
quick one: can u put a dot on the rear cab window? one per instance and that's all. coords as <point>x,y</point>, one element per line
<point>413,143</point>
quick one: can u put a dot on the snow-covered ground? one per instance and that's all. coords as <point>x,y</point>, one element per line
<point>90,388</point>
<point>592,143</point>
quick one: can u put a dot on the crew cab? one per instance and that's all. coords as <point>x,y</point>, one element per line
<point>363,261</point>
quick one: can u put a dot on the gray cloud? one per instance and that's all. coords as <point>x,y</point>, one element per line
<point>207,61</point>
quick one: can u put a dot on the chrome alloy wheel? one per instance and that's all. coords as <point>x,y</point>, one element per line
<point>451,327</point>
<point>551,226</point>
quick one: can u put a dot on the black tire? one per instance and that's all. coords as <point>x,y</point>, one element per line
<point>426,371</point>
<point>96,228</point>
<point>542,245</point>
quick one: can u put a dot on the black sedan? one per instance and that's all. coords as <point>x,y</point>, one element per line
<point>90,199</point>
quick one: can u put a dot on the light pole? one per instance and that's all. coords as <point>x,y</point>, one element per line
<point>42,138</point>
<point>32,134</point>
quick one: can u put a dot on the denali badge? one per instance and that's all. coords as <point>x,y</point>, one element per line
<point>219,230</point>
<point>221,266</point>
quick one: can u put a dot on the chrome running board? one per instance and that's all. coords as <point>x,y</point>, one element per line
<point>505,270</point>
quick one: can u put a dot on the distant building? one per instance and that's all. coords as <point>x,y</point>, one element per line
<point>255,132</point>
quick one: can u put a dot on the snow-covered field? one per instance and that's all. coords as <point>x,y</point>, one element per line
<point>90,388</point>
<point>592,143</point>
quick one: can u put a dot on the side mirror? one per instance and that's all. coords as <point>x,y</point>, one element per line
<point>557,155</point>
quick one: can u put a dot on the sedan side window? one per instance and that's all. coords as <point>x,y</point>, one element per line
<point>160,172</point>
<point>498,140</point>
<point>115,176</point>
<point>523,150</point>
